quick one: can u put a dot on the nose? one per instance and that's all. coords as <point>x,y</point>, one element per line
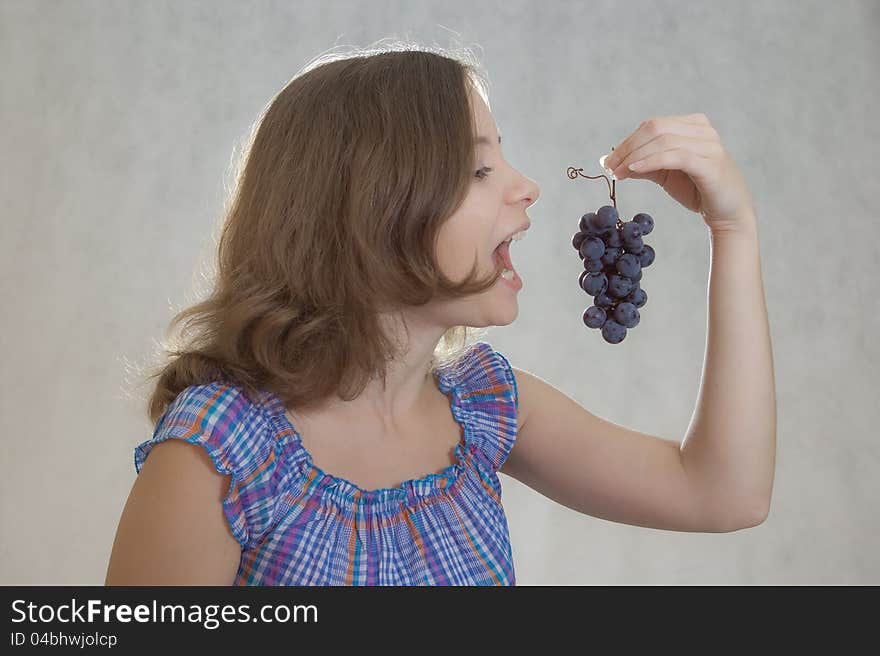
<point>531,191</point>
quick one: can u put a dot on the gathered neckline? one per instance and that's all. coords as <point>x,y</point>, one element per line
<point>406,492</point>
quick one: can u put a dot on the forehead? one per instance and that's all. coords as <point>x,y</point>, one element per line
<point>483,115</point>
<point>486,131</point>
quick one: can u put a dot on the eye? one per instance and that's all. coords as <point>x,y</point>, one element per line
<point>482,173</point>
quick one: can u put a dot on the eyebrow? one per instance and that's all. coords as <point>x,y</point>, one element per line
<point>485,140</point>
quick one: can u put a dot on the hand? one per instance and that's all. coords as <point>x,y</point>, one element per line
<point>685,156</point>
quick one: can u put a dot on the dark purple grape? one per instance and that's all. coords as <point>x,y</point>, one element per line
<point>594,317</point>
<point>630,231</point>
<point>593,248</point>
<point>637,297</point>
<point>586,221</point>
<point>603,301</point>
<point>606,218</point>
<point>628,265</point>
<point>611,255</point>
<point>594,283</point>
<point>645,221</point>
<point>619,286</point>
<point>593,265</point>
<point>612,238</point>
<point>626,315</point>
<point>635,246</point>
<point>613,332</point>
<point>614,256</point>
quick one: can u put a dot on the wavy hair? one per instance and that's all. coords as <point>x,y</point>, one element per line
<point>345,180</point>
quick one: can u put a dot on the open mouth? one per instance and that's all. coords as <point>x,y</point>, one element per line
<point>502,257</point>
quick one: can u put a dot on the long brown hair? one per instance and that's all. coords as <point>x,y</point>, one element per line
<point>346,179</point>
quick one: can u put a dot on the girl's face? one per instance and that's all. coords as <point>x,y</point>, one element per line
<point>494,209</point>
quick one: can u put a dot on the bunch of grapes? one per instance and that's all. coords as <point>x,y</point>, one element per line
<point>614,256</point>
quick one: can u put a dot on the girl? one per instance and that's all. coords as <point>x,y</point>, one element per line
<point>333,420</point>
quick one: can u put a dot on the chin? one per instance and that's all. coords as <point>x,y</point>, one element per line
<point>504,310</point>
<point>495,307</point>
<point>508,318</point>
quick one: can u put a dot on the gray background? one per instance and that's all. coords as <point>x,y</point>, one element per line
<point>118,123</point>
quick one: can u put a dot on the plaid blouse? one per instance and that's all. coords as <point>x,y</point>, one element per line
<point>300,525</point>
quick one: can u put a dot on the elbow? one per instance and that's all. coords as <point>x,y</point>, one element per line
<point>754,521</point>
<point>755,516</point>
<point>760,515</point>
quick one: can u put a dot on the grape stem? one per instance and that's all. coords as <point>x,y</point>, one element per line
<point>573,173</point>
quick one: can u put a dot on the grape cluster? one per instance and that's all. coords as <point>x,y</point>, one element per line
<point>614,256</point>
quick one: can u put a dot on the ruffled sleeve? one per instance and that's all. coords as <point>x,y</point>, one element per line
<point>487,395</point>
<point>220,419</point>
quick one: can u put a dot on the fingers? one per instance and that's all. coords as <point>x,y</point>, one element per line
<point>664,143</point>
<point>699,168</point>
<point>689,125</point>
<point>698,117</point>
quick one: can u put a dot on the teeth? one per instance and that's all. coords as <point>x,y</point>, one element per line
<point>507,274</point>
<point>518,235</point>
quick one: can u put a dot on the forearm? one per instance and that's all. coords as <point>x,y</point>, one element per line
<point>729,451</point>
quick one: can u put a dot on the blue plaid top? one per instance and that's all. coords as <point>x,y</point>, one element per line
<point>300,525</point>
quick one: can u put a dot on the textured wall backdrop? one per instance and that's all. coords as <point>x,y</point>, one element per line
<point>118,123</point>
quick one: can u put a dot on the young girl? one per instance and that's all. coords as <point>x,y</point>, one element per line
<point>333,422</point>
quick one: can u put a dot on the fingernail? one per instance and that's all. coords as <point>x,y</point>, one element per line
<point>637,165</point>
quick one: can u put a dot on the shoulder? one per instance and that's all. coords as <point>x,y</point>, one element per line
<point>219,416</point>
<point>538,399</point>
<point>237,436</point>
<point>531,389</point>
<point>484,373</point>
<point>210,406</point>
<point>485,399</point>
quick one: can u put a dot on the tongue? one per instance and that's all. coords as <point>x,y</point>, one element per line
<point>503,252</point>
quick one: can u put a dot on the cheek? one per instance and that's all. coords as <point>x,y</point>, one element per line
<point>462,240</point>
<point>454,256</point>
<point>456,251</point>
